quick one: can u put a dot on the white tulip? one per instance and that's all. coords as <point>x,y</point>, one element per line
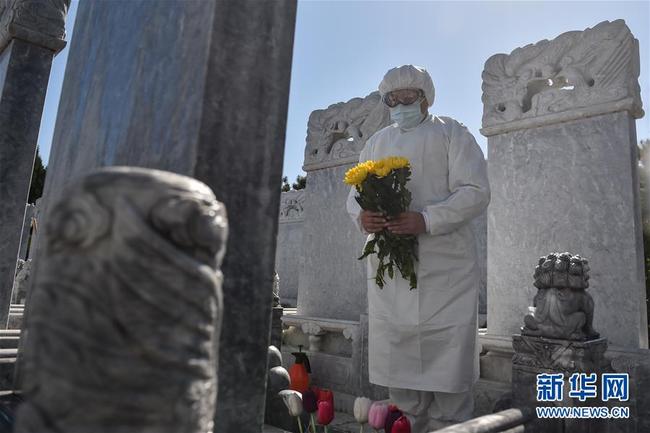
<point>293,400</point>
<point>361,408</point>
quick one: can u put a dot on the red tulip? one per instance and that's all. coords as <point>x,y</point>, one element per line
<point>325,412</point>
<point>326,395</point>
<point>393,415</point>
<point>401,425</point>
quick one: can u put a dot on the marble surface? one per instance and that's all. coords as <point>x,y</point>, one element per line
<point>571,186</point>
<point>197,88</point>
<point>288,256</point>
<point>637,365</point>
<point>102,120</point>
<point>332,281</point>
<point>479,228</point>
<point>24,73</point>
<point>289,260</point>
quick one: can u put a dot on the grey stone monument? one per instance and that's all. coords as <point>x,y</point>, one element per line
<point>335,137</point>
<point>562,149</point>
<point>289,257</point>
<point>331,281</point>
<point>198,88</point>
<point>31,33</point>
<point>125,315</point>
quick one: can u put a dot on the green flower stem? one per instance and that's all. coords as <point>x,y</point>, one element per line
<point>299,424</point>
<point>312,423</point>
<point>361,429</point>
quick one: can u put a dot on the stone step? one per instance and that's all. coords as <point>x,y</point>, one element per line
<point>8,353</point>
<point>7,368</point>
<point>15,321</point>
<point>9,332</point>
<point>16,309</point>
<point>9,341</point>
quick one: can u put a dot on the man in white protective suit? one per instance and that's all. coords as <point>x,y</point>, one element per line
<point>423,343</point>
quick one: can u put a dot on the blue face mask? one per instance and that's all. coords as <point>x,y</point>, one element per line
<point>407,116</point>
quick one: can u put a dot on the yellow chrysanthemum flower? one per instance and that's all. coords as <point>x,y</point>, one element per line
<point>368,165</point>
<point>395,162</point>
<point>381,168</point>
<point>356,175</point>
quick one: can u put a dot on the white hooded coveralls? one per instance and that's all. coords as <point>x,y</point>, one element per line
<point>427,338</point>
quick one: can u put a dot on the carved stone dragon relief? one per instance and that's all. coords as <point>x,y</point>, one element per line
<point>336,135</point>
<point>292,206</point>
<point>576,70</point>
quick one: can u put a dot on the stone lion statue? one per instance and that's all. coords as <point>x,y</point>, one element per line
<point>563,308</point>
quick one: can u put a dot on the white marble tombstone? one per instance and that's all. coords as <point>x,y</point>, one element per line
<point>560,120</point>
<point>331,300</point>
<point>332,280</point>
<point>288,257</point>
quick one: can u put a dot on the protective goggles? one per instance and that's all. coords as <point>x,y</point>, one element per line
<point>402,96</point>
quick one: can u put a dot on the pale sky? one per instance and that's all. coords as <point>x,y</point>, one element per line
<point>343,48</point>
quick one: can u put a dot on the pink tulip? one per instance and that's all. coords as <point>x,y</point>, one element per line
<point>377,415</point>
<point>401,425</point>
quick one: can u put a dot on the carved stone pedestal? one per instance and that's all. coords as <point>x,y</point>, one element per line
<point>537,355</point>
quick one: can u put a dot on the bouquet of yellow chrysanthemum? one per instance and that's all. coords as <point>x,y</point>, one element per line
<point>381,186</point>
